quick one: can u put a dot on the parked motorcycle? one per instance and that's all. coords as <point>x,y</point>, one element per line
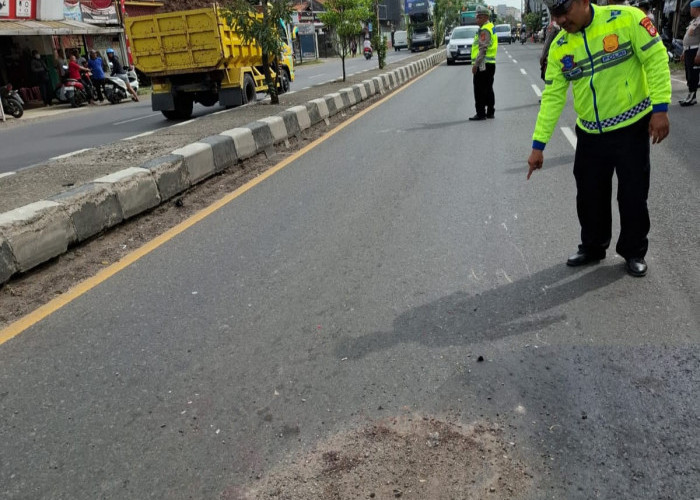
<point>12,103</point>
<point>367,51</point>
<point>73,92</point>
<point>674,48</point>
<point>115,89</point>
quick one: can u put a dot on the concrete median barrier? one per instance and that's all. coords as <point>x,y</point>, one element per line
<point>170,175</point>
<point>40,231</point>
<point>135,188</point>
<point>92,208</point>
<point>36,233</point>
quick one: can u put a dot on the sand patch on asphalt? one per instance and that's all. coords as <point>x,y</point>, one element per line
<point>406,457</point>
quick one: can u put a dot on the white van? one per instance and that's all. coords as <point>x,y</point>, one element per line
<point>400,40</point>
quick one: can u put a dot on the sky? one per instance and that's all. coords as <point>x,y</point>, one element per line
<point>510,3</point>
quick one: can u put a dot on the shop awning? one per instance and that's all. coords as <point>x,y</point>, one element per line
<point>67,27</point>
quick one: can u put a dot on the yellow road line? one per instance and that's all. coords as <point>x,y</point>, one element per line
<point>54,305</point>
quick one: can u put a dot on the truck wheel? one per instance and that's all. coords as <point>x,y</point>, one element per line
<point>284,81</point>
<point>248,91</point>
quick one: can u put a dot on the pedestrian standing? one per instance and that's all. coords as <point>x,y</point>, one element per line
<point>613,58</point>
<point>691,59</point>
<point>42,77</point>
<point>484,51</point>
<point>353,47</point>
<point>98,75</point>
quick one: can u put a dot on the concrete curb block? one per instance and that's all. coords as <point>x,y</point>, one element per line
<point>170,174</point>
<point>8,267</point>
<point>136,190</point>
<point>92,208</point>
<point>277,128</point>
<point>38,232</point>
<point>199,160</point>
<point>243,140</point>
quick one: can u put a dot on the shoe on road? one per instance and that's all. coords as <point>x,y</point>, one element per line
<point>476,118</point>
<point>636,267</point>
<point>580,258</point>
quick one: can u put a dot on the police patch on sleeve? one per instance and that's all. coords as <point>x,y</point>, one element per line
<point>649,26</point>
<point>568,63</point>
<point>482,36</point>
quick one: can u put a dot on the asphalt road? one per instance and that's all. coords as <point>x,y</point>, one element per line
<point>363,279</point>
<point>93,127</point>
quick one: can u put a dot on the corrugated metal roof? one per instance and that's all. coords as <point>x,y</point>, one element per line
<point>16,27</point>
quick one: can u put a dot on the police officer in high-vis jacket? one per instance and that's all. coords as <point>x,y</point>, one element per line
<point>614,60</point>
<point>484,51</point>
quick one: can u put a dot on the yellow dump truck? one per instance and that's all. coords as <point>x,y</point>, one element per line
<point>195,56</point>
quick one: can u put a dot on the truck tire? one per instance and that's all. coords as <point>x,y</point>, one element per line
<point>248,93</point>
<point>183,108</point>
<point>284,81</point>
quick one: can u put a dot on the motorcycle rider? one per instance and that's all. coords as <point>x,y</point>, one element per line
<point>119,72</point>
<point>76,71</point>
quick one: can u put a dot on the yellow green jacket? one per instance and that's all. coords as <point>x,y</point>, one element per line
<point>618,69</point>
<point>485,36</point>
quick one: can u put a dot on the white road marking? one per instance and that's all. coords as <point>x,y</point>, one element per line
<point>570,136</point>
<point>523,71</point>
<point>7,174</point>
<point>306,88</point>
<point>136,119</point>
<point>222,111</point>
<point>183,123</point>
<point>317,76</point>
<point>68,155</point>
<point>677,80</point>
<point>516,62</point>
<point>139,135</point>
<point>537,90</point>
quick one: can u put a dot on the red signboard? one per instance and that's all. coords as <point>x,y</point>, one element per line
<point>17,9</point>
<point>99,12</point>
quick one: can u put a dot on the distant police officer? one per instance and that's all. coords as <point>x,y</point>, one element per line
<point>484,51</point>
<point>614,59</point>
<point>691,46</point>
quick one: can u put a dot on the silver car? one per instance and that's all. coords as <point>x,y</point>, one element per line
<point>459,48</point>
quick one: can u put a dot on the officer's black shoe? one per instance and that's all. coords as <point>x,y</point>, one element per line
<point>492,114</point>
<point>476,118</point>
<point>580,258</point>
<point>636,267</point>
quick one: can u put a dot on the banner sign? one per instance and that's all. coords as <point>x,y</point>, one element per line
<point>416,6</point>
<point>71,10</point>
<point>99,12</point>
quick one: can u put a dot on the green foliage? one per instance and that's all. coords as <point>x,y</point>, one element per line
<point>446,15</point>
<point>533,21</point>
<point>344,19</point>
<point>261,24</point>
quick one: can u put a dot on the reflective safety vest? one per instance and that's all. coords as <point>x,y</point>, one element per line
<point>617,67</point>
<point>492,48</point>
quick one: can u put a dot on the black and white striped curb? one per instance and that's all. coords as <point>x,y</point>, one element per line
<point>35,233</point>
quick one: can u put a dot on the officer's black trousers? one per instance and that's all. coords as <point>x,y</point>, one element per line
<point>483,91</point>
<point>625,151</point>
<point>692,75</point>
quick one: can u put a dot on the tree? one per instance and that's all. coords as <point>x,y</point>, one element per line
<point>446,15</point>
<point>344,18</point>
<point>533,21</point>
<point>261,23</point>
